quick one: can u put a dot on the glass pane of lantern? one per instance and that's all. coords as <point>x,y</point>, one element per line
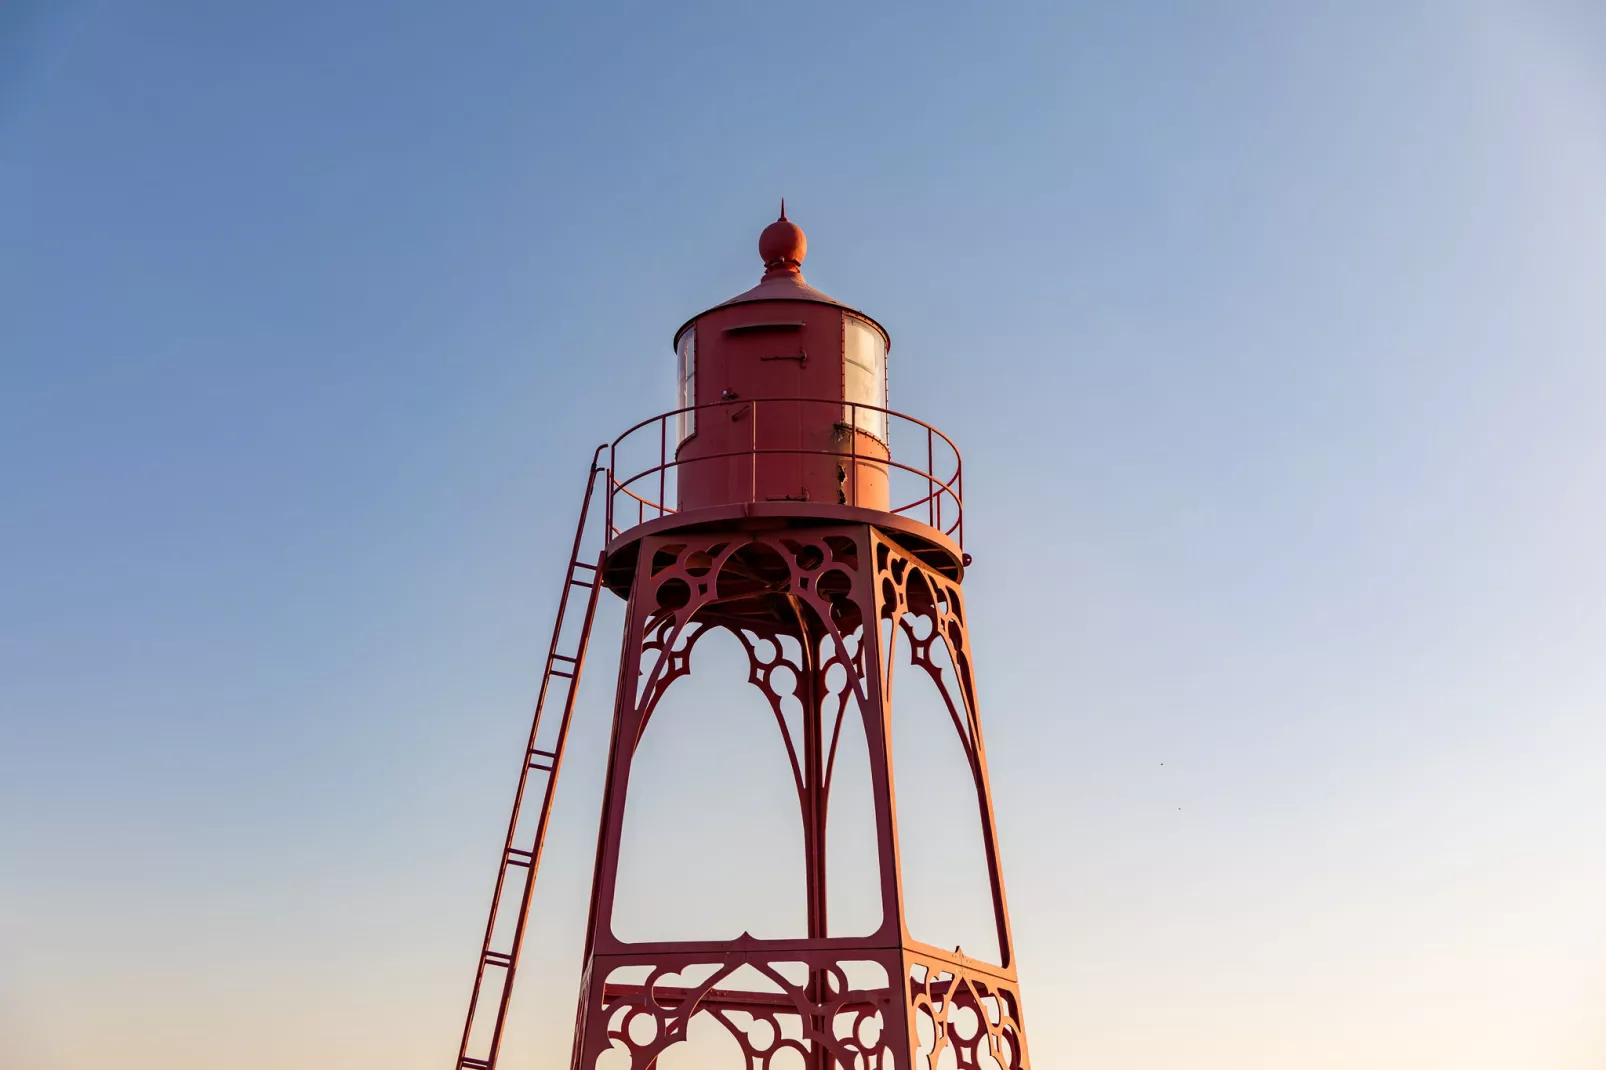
<point>686,422</point>
<point>864,373</point>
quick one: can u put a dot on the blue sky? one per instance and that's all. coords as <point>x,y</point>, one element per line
<point>1273,338</point>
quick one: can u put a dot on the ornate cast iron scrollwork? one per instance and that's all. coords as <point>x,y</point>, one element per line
<point>813,609</point>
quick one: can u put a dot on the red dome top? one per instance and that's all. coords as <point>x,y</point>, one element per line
<point>783,246</point>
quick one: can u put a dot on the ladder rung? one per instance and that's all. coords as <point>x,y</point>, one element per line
<point>587,576</point>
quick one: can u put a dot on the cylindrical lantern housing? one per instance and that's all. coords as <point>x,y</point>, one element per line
<point>784,394</point>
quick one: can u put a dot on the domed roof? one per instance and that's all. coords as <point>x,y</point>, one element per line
<point>782,246</point>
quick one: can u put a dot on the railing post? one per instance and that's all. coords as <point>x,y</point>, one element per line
<point>959,481</point>
<point>853,446</point>
<point>936,489</point>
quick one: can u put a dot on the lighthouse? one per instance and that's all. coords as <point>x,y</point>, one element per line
<point>784,502</point>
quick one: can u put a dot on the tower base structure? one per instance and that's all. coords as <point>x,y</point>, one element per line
<point>842,608</point>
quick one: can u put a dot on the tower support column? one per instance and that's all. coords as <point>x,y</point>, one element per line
<point>834,605</point>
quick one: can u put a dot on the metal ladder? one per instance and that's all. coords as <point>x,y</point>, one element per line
<point>543,756</point>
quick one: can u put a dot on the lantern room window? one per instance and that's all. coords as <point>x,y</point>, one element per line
<point>686,422</point>
<point>864,377</point>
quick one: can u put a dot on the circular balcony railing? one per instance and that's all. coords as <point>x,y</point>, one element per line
<point>923,468</point>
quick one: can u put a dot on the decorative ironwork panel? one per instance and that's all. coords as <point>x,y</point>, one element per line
<point>822,614</point>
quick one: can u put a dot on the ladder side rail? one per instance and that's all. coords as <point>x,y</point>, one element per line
<point>486,955</point>
<point>508,844</point>
<point>544,815</point>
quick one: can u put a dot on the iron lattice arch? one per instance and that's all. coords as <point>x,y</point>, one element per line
<point>834,606</point>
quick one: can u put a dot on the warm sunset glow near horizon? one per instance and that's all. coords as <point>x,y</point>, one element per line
<point>1273,334</point>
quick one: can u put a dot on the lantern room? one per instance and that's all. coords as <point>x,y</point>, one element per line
<point>782,393</point>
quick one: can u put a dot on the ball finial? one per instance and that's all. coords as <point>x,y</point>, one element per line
<point>782,246</point>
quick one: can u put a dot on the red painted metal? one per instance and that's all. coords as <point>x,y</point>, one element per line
<point>850,1002</point>
<point>933,489</point>
<point>543,757</point>
<point>797,528</point>
<point>785,342</point>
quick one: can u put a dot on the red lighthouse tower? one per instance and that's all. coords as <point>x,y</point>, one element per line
<point>783,502</point>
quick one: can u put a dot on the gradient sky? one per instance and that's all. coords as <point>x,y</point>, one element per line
<point>1275,338</point>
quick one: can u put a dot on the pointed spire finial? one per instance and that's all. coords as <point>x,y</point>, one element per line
<point>782,247</point>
